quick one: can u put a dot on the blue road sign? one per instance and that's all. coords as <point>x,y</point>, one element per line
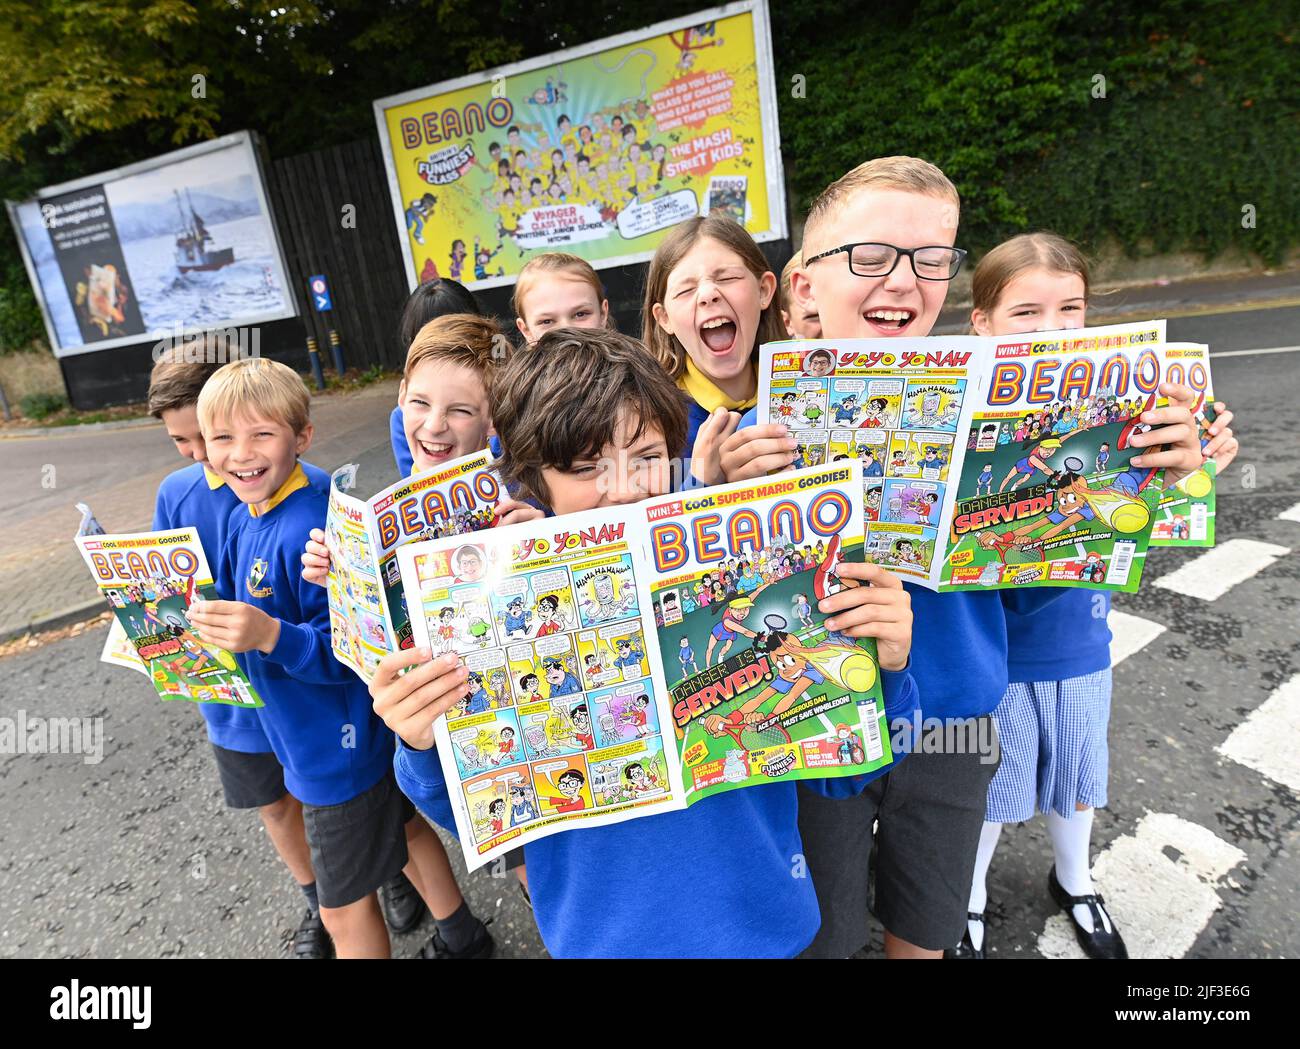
<point>320,293</point>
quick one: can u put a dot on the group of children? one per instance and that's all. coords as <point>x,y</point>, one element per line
<point>582,417</point>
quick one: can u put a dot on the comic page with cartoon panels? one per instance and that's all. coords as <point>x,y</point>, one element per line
<point>562,717</point>
<point>760,687</point>
<point>1186,512</point>
<point>359,627</point>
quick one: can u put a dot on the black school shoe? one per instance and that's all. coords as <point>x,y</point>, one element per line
<point>402,905</point>
<point>1097,942</point>
<point>311,940</point>
<point>481,947</point>
<point>966,949</point>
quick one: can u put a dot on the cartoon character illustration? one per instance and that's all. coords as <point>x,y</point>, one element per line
<point>636,716</point>
<point>561,681</point>
<point>530,689</point>
<point>570,785</point>
<point>803,609</point>
<point>1118,503</point>
<point>630,652</point>
<point>1103,457</point>
<point>875,417</point>
<point>1037,460</point>
<point>478,699</point>
<point>847,409</point>
<point>686,656</point>
<point>515,619</point>
<point>848,749</point>
<point>521,805</point>
<point>550,619</point>
<point>639,781</point>
<point>581,721</point>
<point>724,632</point>
<point>798,668</point>
<point>417,212</point>
<point>1092,570</point>
<point>984,482</point>
<point>604,603</point>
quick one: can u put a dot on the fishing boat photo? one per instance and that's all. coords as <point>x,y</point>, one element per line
<point>191,241</point>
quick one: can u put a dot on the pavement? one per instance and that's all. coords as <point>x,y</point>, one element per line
<point>136,856</point>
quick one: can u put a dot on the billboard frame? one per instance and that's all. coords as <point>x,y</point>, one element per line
<point>247,139</point>
<point>768,121</point>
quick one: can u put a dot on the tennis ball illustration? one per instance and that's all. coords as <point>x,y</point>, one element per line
<point>1132,517</point>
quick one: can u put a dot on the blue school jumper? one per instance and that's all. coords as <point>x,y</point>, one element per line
<point>712,881</point>
<point>401,450</point>
<point>317,715</point>
<point>195,497</point>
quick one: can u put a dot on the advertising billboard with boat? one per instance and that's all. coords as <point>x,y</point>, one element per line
<point>161,250</point>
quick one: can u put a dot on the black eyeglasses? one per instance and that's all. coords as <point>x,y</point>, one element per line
<point>932,262</point>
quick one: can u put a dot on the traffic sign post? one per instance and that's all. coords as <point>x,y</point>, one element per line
<point>319,289</point>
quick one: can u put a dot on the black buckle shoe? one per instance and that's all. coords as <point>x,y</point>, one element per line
<point>402,905</point>
<point>966,949</point>
<point>312,940</point>
<point>1096,942</point>
<point>481,947</point>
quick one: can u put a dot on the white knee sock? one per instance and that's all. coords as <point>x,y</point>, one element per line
<point>979,893</point>
<point>1070,844</point>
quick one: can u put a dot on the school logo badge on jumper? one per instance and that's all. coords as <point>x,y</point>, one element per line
<point>255,575</point>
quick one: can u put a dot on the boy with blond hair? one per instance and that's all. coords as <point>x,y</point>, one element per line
<point>337,756</point>
<point>878,255</point>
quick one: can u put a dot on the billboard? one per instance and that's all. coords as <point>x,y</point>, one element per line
<point>597,150</point>
<point>174,245</point>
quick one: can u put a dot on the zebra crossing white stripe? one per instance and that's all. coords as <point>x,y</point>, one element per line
<point>1129,634</point>
<point>1268,741</point>
<point>1159,886</point>
<point>1292,514</point>
<point>1215,572</point>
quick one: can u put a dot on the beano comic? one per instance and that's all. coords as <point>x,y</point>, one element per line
<point>118,650</point>
<point>759,688</point>
<point>565,724</point>
<point>150,579</point>
<point>1185,513</point>
<point>368,615</point>
<point>988,462</point>
<point>583,707</point>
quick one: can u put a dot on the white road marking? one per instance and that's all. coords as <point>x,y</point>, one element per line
<point>1255,353</point>
<point>1215,572</point>
<point>1292,514</point>
<point>1130,634</point>
<point>1268,741</point>
<point>1159,887</point>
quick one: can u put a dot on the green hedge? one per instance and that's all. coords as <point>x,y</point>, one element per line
<point>1199,115</point>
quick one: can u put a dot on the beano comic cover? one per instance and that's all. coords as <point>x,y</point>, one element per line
<point>1185,513</point>
<point>150,579</point>
<point>759,689</point>
<point>565,723</point>
<point>988,461</point>
<point>118,650</point>
<point>368,614</point>
<point>1048,494</point>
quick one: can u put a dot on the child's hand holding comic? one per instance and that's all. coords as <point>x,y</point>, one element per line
<point>1223,445</point>
<point>235,626</point>
<point>706,466</point>
<point>757,451</point>
<point>511,511</point>
<point>878,607</point>
<point>316,558</point>
<point>1174,427</point>
<point>411,700</point>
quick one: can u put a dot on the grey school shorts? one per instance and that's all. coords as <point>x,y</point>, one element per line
<point>358,845</point>
<point>928,813</point>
